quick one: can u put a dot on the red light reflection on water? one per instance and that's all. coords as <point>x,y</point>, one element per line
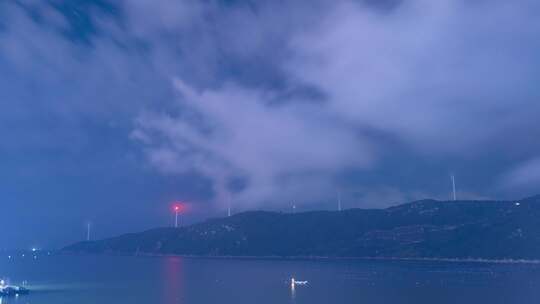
<point>173,280</point>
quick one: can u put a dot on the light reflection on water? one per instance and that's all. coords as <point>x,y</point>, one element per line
<point>172,288</point>
<point>168,280</point>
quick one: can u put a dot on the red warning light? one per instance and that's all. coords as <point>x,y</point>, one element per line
<point>178,207</point>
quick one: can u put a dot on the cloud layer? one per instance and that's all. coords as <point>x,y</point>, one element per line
<point>446,79</point>
<point>274,101</point>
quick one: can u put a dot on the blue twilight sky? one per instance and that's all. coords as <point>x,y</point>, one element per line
<point>111,109</point>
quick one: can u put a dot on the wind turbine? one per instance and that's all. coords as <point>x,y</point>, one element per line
<point>339,201</point>
<point>229,208</point>
<point>454,186</point>
<point>88,226</point>
<point>178,208</point>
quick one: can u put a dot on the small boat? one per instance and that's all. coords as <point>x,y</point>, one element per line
<point>295,282</point>
<point>11,290</point>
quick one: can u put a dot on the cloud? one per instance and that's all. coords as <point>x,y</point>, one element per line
<point>276,101</point>
<point>276,148</point>
<point>445,77</point>
<point>524,176</point>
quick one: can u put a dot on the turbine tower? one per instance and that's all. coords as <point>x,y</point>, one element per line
<point>454,186</point>
<point>339,200</point>
<point>176,211</point>
<point>229,205</point>
<point>88,231</point>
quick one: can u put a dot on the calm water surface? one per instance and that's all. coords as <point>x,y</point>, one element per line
<point>109,279</point>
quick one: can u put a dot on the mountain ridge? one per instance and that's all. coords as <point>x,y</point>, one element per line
<point>419,229</point>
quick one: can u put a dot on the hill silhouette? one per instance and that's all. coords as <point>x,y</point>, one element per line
<point>420,229</point>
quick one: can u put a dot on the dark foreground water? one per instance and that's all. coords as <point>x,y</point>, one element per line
<point>109,279</point>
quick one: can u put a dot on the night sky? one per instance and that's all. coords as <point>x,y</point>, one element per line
<point>111,110</point>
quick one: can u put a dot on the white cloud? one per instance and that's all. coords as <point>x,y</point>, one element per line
<point>275,147</point>
<point>443,76</point>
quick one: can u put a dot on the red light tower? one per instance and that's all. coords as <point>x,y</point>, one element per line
<point>177,207</point>
<point>176,210</point>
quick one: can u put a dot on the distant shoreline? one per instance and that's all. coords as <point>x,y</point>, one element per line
<point>316,258</point>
